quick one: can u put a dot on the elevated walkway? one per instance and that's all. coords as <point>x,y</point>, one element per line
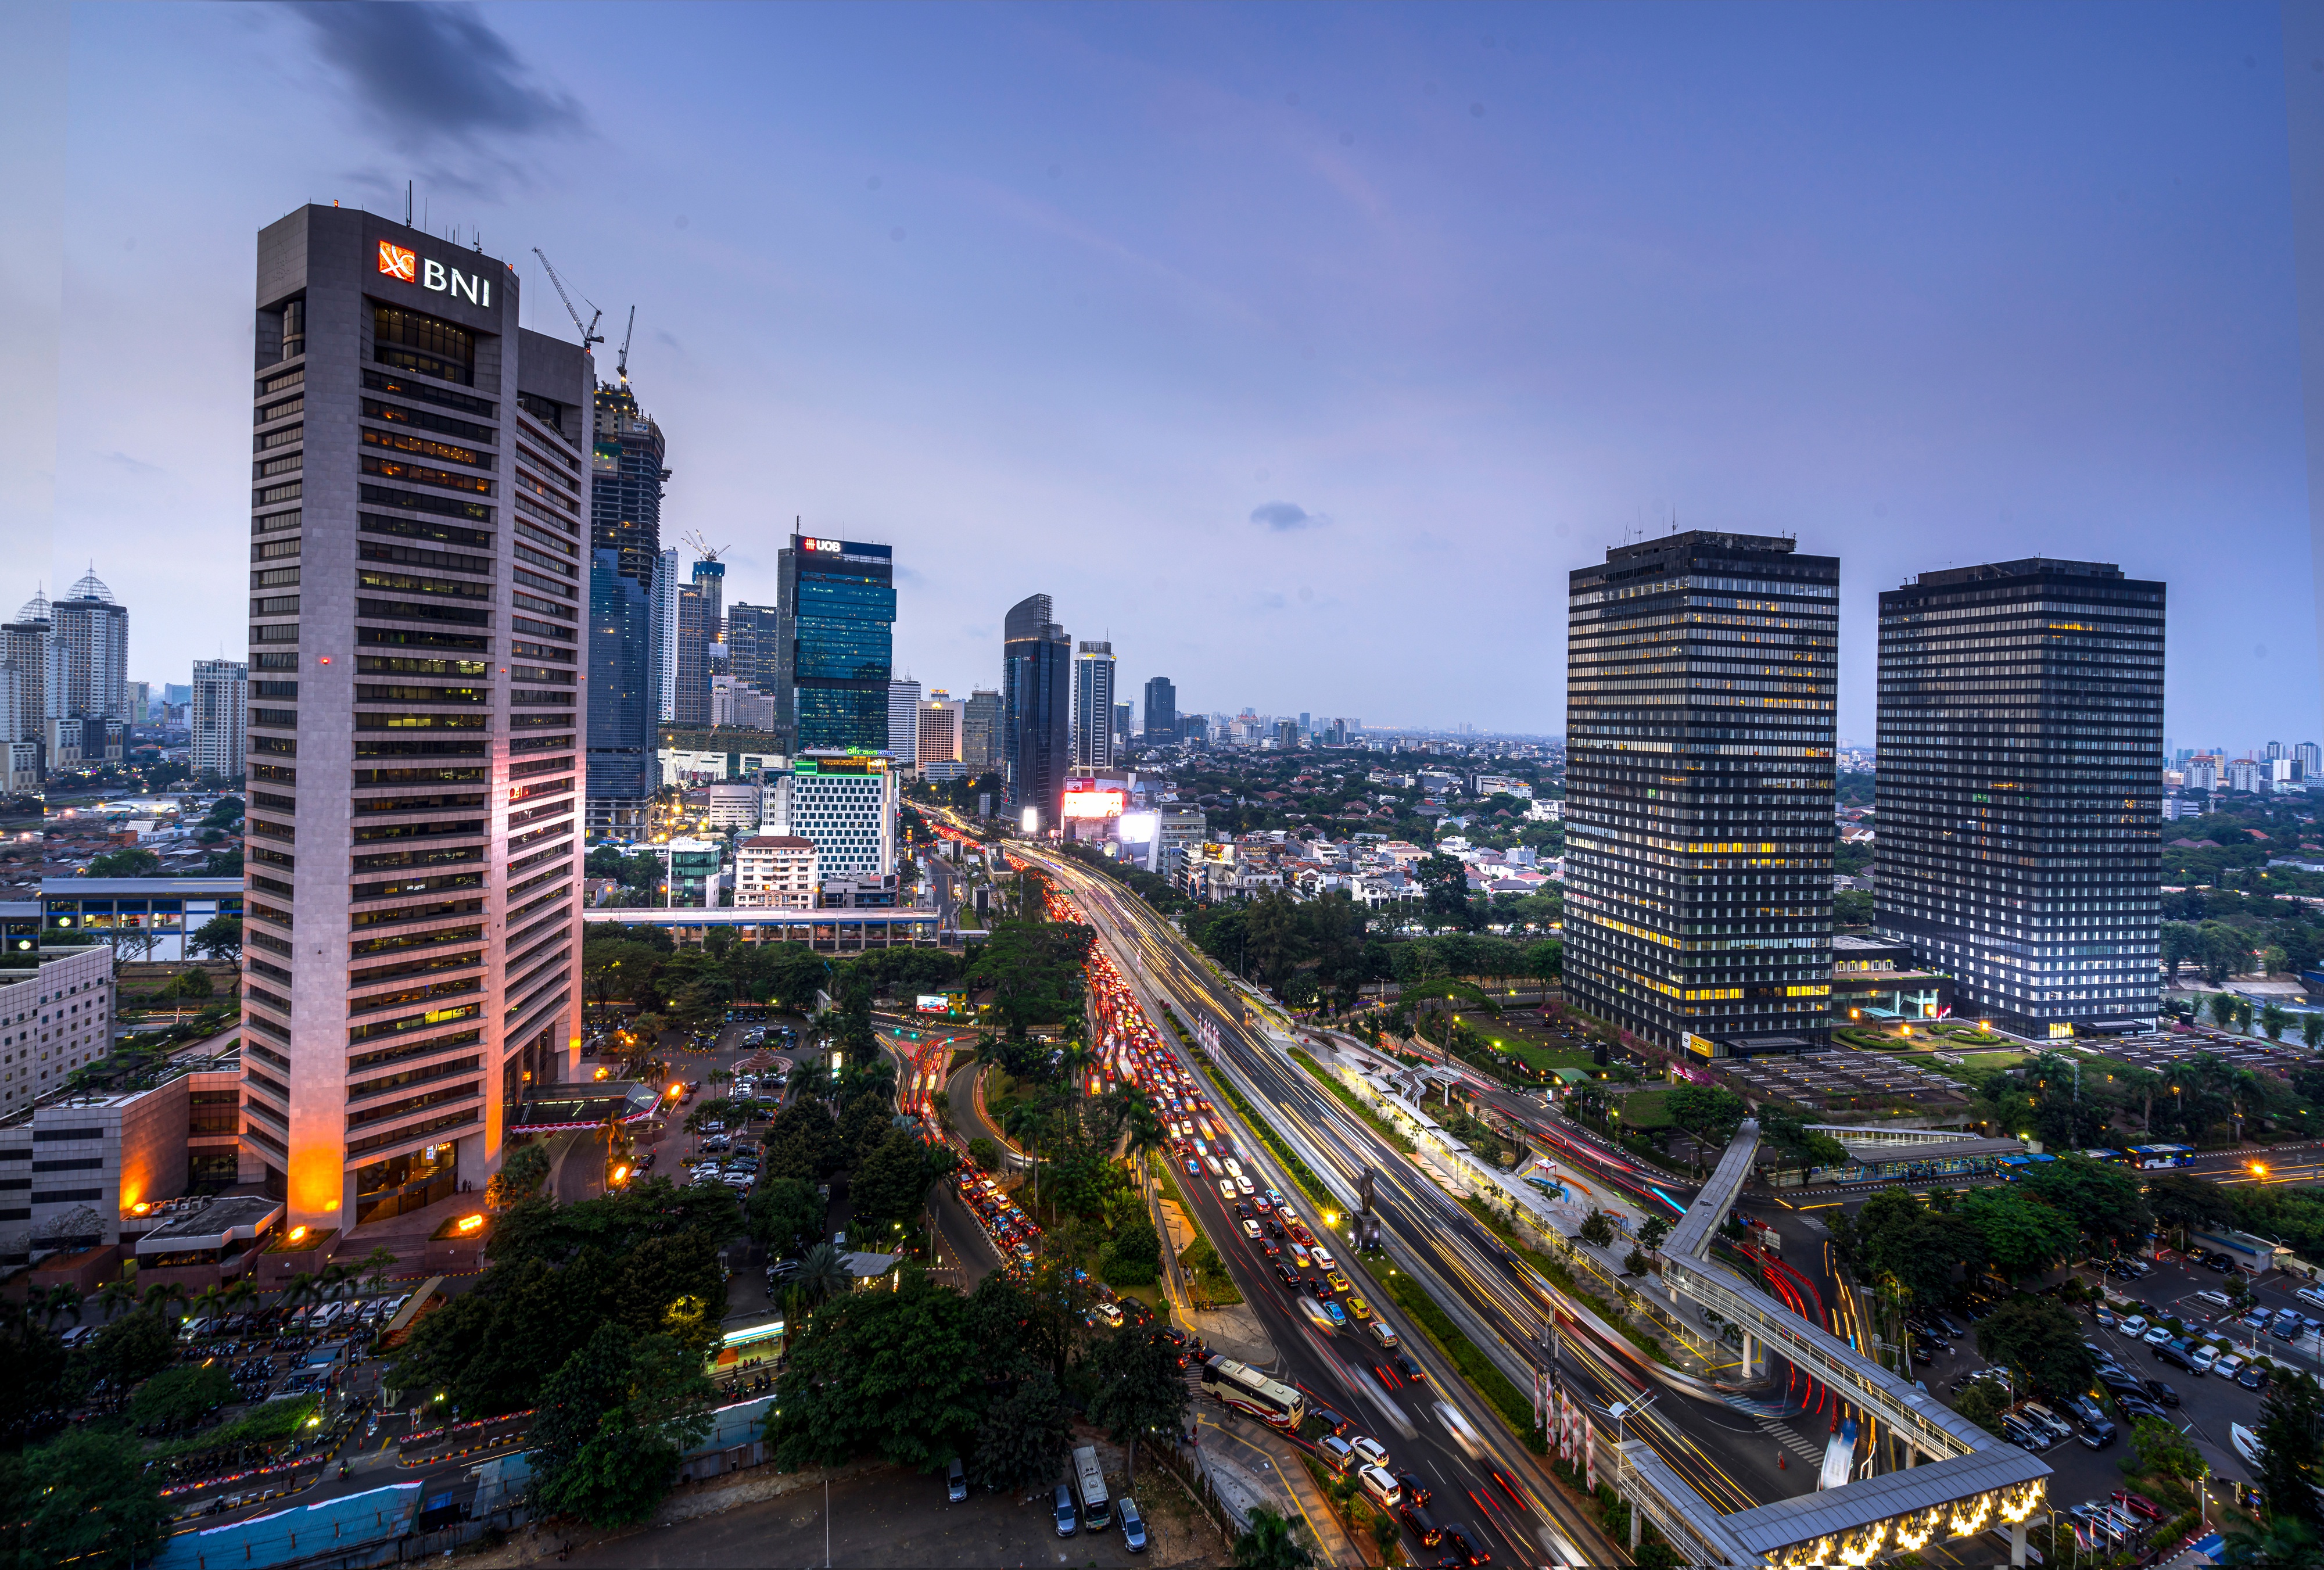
<point>1972,1482</point>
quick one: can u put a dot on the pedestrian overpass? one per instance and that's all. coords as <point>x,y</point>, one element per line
<point>1957,1480</point>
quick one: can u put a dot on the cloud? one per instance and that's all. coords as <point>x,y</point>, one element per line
<point>1285,516</point>
<point>434,73</point>
<point>122,460</point>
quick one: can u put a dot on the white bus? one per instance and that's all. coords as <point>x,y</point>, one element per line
<point>1089,1480</point>
<point>1246,1389</point>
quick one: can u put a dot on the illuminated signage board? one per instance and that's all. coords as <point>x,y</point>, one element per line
<point>407,267</point>
<point>847,549</point>
<point>1093,803</point>
<point>1139,827</point>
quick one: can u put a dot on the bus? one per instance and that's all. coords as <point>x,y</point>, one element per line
<point>1089,1484</point>
<point>2155,1157</point>
<point>1246,1389</point>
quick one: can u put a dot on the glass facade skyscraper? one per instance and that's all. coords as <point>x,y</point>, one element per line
<point>1701,684</point>
<point>1037,729</point>
<point>624,552</point>
<point>2020,789</point>
<point>835,642</point>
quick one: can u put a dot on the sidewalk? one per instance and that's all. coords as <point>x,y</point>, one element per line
<point>1234,1330</point>
<point>1264,1457</point>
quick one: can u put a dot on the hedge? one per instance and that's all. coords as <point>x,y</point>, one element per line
<point>1481,1372</point>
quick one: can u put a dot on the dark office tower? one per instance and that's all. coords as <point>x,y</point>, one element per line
<point>693,640</point>
<point>626,477</point>
<point>836,642</point>
<point>1161,709</point>
<point>752,655</point>
<point>1701,684</point>
<point>410,918</point>
<point>2020,789</point>
<point>1037,719</point>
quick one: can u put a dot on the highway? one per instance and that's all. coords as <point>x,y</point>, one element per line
<point>1730,1456</point>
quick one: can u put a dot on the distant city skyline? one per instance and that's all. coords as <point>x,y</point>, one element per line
<point>1341,334</point>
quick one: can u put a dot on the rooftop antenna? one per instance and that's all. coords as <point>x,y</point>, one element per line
<point>622,366</point>
<point>407,204</point>
<point>589,335</point>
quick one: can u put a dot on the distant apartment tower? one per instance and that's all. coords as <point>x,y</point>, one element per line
<point>24,655</point>
<point>625,493</point>
<point>2020,789</point>
<point>218,716</point>
<point>90,665</point>
<point>2311,759</point>
<point>1094,705</point>
<point>1161,709</point>
<point>410,918</point>
<point>937,729</point>
<point>980,729</point>
<point>665,638</point>
<point>1699,812</point>
<point>904,722</point>
<point>836,642</point>
<point>1037,722</point>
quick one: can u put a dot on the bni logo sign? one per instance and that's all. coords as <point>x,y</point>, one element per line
<point>396,261</point>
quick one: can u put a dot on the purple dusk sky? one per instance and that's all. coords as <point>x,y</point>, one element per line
<point>1302,350</point>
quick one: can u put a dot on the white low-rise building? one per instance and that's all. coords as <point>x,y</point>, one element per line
<point>775,871</point>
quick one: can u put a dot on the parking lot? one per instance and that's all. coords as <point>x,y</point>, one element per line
<point>2204,1405</point>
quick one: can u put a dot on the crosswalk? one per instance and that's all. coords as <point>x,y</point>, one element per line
<point>1789,1439</point>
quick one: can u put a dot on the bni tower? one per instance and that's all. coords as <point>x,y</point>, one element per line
<point>2020,789</point>
<point>415,653</point>
<point>1702,678</point>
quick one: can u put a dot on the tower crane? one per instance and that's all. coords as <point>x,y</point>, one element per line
<point>702,547</point>
<point>589,335</point>
<point>622,365</point>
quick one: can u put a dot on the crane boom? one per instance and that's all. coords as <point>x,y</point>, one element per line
<point>702,546</point>
<point>589,335</point>
<point>622,366</point>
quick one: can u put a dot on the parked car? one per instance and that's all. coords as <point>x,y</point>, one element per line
<point>2096,1436</point>
<point>2213,1298</point>
<point>2156,1335</point>
<point>2135,1326</point>
<point>2162,1392</point>
<point>2201,1361</point>
<point>2252,1377</point>
<point>1069,1520</point>
<point>955,1481</point>
<point>1133,1525</point>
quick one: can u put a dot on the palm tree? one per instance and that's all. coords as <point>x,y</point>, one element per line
<point>63,1299</point>
<point>2284,1543</point>
<point>822,1276</point>
<point>1269,1545</point>
<point>375,1267</point>
<point>208,1303</point>
<point>116,1296</point>
<point>301,1290</point>
<point>337,1280</point>
<point>240,1293</point>
<point>161,1294</point>
<point>2273,1019</point>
